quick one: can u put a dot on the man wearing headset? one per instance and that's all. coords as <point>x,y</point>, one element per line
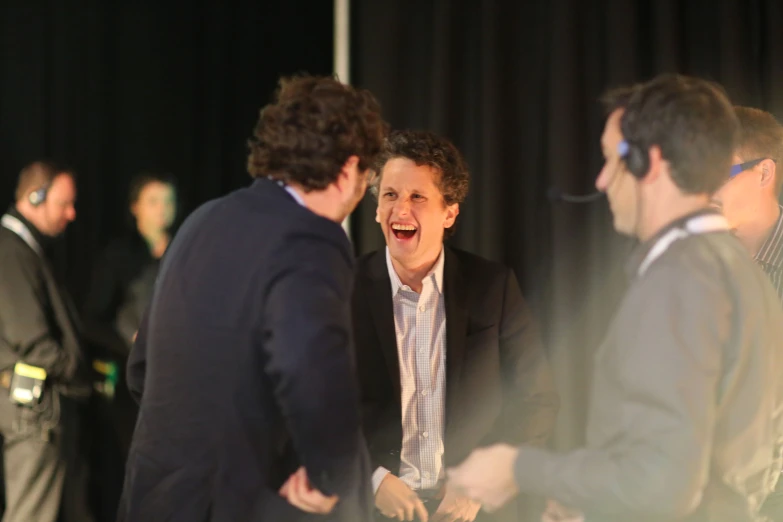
<point>684,421</point>
<point>43,375</point>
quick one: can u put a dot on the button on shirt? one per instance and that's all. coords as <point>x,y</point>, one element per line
<point>420,325</point>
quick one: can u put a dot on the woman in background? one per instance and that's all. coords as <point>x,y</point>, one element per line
<point>121,287</point>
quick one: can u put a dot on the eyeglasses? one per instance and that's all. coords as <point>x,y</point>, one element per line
<point>741,167</point>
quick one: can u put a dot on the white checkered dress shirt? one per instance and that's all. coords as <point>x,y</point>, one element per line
<point>420,324</point>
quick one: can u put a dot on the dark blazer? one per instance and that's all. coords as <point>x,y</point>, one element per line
<point>123,280</point>
<point>498,384</point>
<point>120,290</point>
<point>38,322</point>
<point>244,368</point>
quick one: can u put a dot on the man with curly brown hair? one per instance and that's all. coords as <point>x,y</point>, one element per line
<point>243,366</point>
<point>448,354</point>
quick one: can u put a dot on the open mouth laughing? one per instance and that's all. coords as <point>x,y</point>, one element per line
<point>403,231</point>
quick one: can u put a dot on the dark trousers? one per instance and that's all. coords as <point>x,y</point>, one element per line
<point>111,425</point>
<point>34,476</point>
<point>45,473</point>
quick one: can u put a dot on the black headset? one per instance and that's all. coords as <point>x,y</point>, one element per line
<point>635,157</point>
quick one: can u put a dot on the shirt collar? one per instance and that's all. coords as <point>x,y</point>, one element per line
<point>641,251</point>
<point>769,253</point>
<point>295,195</point>
<point>436,272</point>
<point>44,241</point>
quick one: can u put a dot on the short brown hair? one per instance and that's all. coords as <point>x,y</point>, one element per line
<point>37,175</point>
<point>426,148</point>
<point>311,129</point>
<point>761,136</point>
<point>617,98</point>
<point>144,178</point>
<point>690,119</point>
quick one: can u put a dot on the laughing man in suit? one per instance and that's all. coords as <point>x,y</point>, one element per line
<point>448,354</point>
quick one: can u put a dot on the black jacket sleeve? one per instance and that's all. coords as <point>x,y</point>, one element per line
<point>101,304</point>
<point>309,357</point>
<point>137,362</point>
<point>28,324</point>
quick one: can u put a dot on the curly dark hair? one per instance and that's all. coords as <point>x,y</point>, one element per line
<point>311,129</point>
<point>426,148</point>
<point>689,118</point>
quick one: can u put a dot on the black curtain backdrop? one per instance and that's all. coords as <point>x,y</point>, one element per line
<point>112,88</point>
<point>515,86</point>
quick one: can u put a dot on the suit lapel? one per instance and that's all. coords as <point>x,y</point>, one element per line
<point>382,311</point>
<point>454,294</point>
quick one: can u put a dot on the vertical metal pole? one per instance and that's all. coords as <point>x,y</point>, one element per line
<point>342,56</point>
<point>342,40</point>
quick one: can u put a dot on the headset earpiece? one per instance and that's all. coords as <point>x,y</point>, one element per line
<point>636,159</point>
<point>37,196</point>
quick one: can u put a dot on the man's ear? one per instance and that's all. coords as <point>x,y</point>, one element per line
<point>452,211</point>
<point>348,172</point>
<point>768,172</point>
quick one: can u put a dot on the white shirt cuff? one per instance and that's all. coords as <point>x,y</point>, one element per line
<point>377,477</point>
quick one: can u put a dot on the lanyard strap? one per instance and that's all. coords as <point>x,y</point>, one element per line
<point>694,226</point>
<point>17,227</point>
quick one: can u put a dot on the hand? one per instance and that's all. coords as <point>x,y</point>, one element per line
<point>395,499</point>
<point>556,512</point>
<point>298,491</point>
<point>133,339</point>
<point>487,475</point>
<point>456,508</point>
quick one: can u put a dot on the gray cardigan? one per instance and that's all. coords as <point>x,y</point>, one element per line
<point>684,419</point>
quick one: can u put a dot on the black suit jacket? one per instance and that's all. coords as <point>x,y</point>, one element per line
<point>38,322</point>
<point>244,368</point>
<point>498,384</point>
<point>122,282</point>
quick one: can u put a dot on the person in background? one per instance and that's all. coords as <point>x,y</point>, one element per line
<point>244,362</point>
<point>125,274</point>
<point>120,290</point>
<point>44,378</point>
<point>749,200</point>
